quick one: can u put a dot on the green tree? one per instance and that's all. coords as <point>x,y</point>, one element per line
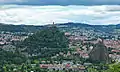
<point>92,70</point>
<point>114,67</point>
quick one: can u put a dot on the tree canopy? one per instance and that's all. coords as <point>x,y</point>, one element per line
<point>46,42</point>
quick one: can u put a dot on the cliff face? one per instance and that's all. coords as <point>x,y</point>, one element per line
<point>99,53</point>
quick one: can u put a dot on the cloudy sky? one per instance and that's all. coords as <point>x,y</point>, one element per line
<point>41,12</point>
<point>61,2</point>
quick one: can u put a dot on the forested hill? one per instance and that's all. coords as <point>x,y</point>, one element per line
<point>96,28</point>
<point>46,42</point>
<point>32,28</point>
<point>19,28</point>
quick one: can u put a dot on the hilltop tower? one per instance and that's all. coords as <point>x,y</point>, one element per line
<point>53,25</point>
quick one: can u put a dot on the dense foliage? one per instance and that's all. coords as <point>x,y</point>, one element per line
<point>11,58</point>
<point>46,42</point>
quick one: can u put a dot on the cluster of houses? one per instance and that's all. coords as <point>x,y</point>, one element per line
<point>108,43</point>
<point>66,66</point>
<point>112,45</point>
<point>8,37</point>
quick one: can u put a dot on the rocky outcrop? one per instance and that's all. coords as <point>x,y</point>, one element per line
<point>99,53</point>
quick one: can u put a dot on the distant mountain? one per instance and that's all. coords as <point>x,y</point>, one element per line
<point>32,28</point>
<point>96,28</point>
<point>19,28</point>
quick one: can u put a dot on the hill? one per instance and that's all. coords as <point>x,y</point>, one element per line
<point>46,42</point>
<point>32,28</point>
<point>19,28</point>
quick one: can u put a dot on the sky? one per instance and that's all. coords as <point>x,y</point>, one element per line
<point>61,2</point>
<point>42,12</point>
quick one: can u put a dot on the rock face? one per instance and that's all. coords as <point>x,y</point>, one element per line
<point>99,53</point>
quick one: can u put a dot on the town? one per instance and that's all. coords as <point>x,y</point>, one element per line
<point>82,43</point>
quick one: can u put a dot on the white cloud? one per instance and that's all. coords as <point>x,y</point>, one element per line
<point>41,15</point>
